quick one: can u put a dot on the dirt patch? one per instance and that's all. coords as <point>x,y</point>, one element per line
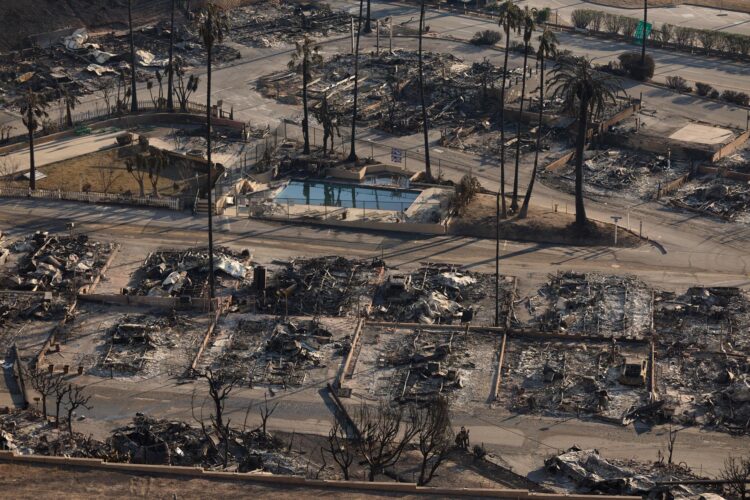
<point>106,172</point>
<point>29,481</point>
<point>542,226</point>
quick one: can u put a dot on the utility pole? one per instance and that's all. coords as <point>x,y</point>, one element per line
<point>377,37</point>
<point>390,41</point>
<point>351,30</point>
<point>616,218</point>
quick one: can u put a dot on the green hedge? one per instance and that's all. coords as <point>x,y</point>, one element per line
<point>708,41</point>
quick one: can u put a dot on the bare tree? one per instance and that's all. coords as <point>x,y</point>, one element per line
<point>383,435</point>
<point>43,383</point>
<point>156,165</point>
<point>434,438</point>
<point>220,385</point>
<point>106,88</point>
<point>107,177</point>
<point>185,85</point>
<point>5,131</point>
<point>342,449</point>
<point>266,412</point>
<point>137,167</point>
<point>736,472</point>
<point>671,438</point>
<point>76,399</point>
<point>61,391</point>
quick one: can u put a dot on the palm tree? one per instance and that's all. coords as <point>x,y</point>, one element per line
<point>529,24</point>
<point>353,152</point>
<point>509,15</point>
<point>212,27</point>
<point>368,28</point>
<point>425,124</point>
<point>304,58</point>
<point>134,98</point>
<point>645,23</point>
<point>586,93</point>
<point>170,80</point>
<point>33,109</point>
<point>70,101</point>
<point>547,48</point>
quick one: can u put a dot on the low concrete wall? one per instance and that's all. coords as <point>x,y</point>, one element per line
<point>672,186</point>
<point>724,172</point>
<point>342,173</point>
<point>660,145</point>
<point>560,162</point>
<point>129,121</point>
<point>399,227</point>
<point>730,148</point>
<point>195,303</point>
<point>286,481</point>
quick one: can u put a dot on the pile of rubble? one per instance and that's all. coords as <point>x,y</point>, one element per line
<point>174,273</point>
<point>20,306</point>
<point>439,293</point>
<point>564,378</point>
<point>331,286</point>
<point>56,263</point>
<point>722,197</point>
<point>586,471</point>
<point>27,432</point>
<point>424,364</point>
<point>153,441</point>
<point>132,341</point>
<point>84,63</point>
<point>593,304</point>
<point>703,370</point>
<point>271,24</point>
<point>277,353</point>
<point>631,173</point>
<point>389,90</point>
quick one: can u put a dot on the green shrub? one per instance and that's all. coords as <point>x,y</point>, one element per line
<point>714,94</point>
<point>678,83</point>
<point>486,37</point>
<point>703,89</point>
<point>581,18</point>
<point>630,62</point>
<point>734,97</point>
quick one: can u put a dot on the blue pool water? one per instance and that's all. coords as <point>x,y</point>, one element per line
<point>345,195</point>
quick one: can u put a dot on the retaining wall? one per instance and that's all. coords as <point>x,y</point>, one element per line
<point>730,148</point>
<point>287,481</point>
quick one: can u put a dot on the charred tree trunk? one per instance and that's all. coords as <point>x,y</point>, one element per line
<point>134,97</point>
<point>425,123</point>
<point>170,80</point>
<point>525,207</point>
<point>353,151</point>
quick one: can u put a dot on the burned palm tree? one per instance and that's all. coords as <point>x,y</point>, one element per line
<point>509,15</point>
<point>212,25</point>
<point>547,48</point>
<point>510,18</point>
<point>134,98</point>
<point>170,79</point>
<point>353,151</point>
<point>304,58</point>
<point>586,93</point>
<point>33,110</point>
<point>425,124</point>
<point>528,21</point>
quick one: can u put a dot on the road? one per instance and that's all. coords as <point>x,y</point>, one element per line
<point>690,16</point>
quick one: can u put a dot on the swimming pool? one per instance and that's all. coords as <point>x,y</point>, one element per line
<point>335,194</point>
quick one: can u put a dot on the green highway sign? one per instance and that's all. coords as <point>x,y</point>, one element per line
<point>638,36</point>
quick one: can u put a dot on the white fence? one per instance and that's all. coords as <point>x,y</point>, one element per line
<point>147,201</point>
